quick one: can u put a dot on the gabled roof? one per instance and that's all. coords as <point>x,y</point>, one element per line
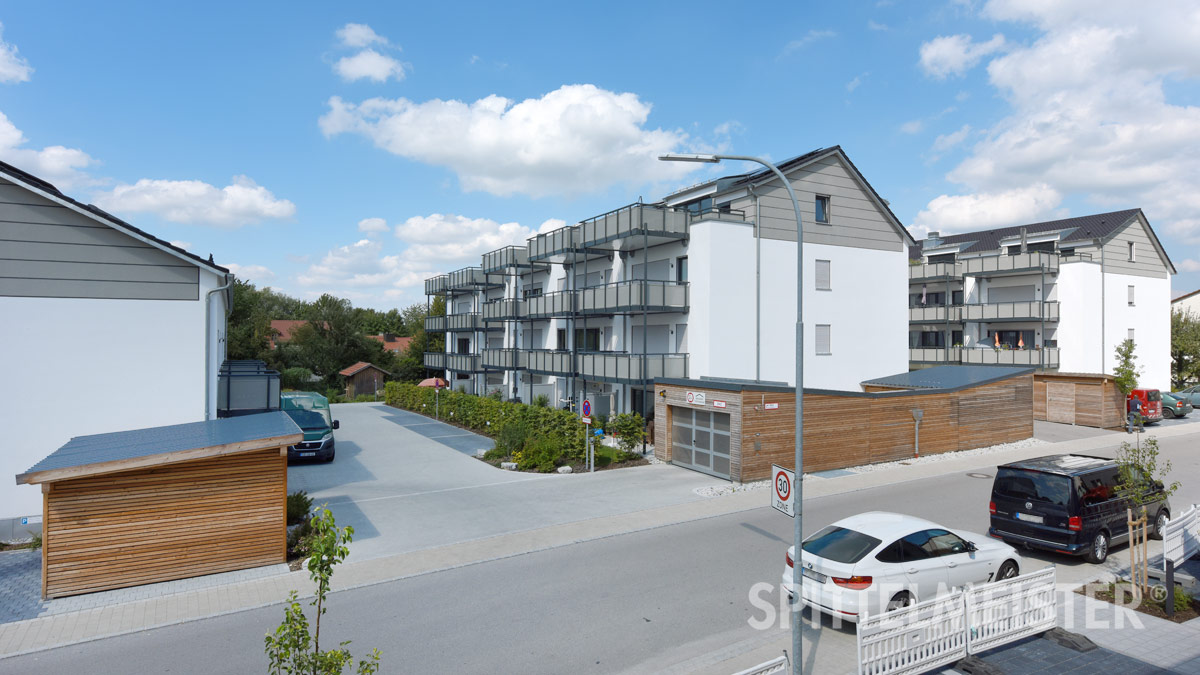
<point>358,368</point>
<point>157,446</point>
<point>283,328</point>
<point>47,190</point>
<point>1081,230</point>
<point>1185,296</point>
<point>394,344</point>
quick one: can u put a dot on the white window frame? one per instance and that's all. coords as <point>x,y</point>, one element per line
<point>828,275</point>
<point>1130,335</point>
<point>828,209</point>
<point>828,339</point>
<point>1132,252</point>
<point>1132,303</point>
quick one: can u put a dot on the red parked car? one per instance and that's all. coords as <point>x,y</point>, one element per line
<point>1151,404</point>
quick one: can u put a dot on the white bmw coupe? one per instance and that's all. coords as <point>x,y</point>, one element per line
<point>874,562</point>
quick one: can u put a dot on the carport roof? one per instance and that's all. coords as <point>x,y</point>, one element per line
<point>949,377</point>
<point>156,446</point>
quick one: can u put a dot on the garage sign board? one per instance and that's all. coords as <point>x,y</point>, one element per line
<point>782,484</point>
<point>695,397</point>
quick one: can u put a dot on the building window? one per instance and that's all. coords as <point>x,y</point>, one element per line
<point>1132,253</point>
<point>1131,335</point>
<point>681,269</point>
<point>1131,296</point>
<point>823,345</point>
<point>823,280</point>
<point>822,209</point>
<point>562,339</point>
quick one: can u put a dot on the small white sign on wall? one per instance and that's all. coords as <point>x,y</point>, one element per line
<point>771,406</point>
<point>31,520</point>
<point>695,397</point>
<point>718,404</point>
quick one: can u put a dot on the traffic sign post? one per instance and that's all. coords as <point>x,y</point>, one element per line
<point>782,482</point>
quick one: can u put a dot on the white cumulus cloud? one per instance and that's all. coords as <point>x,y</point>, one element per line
<point>948,214</point>
<point>451,239</point>
<point>60,165</point>
<point>192,201</point>
<point>945,142</point>
<point>13,66</point>
<point>1188,265</point>
<point>185,245</point>
<point>948,55</point>
<point>359,35</point>
<point>1089,114</point>
<point>256,273</point>
<point>576,139</point>
<point>373,225</point>
<point>369,64</point>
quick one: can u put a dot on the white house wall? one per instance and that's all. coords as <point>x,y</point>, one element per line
<point>1079,312</point>
<point>1150,317</point>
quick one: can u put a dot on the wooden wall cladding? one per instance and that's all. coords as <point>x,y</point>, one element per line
<point>1086,400</point>
<point>172,522</point>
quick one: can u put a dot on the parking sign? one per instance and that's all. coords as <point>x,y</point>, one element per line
<point>782,484</point>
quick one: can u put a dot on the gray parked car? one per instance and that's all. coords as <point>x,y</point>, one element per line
<point>1191,395</point>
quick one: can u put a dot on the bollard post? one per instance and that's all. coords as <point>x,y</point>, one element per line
<point>1169,604</point>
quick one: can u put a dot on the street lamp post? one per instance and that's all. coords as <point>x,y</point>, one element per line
<point>798,498</point>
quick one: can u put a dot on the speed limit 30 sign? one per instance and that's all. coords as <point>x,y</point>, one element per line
<point>782,484</point>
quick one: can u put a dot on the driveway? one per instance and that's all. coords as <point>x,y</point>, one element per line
<point>407,482</point>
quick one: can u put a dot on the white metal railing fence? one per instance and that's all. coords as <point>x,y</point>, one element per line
<point>1008,610</point>
<point>943,630</point>
<point>913,639</point>
<point>1181,538</point>
<point>778,664</point>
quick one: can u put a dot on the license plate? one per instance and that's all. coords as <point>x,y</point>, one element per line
<point>815,576</point>
<point>307,454</point>
<point>1030,518</point>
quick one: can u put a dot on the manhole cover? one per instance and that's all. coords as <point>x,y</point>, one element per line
<point>980,475</point>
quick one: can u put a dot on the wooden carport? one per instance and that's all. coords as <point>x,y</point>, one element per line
<point>136,507</point>
<point>1090,400</point>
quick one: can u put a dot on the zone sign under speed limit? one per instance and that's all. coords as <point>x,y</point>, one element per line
<point>783,482</point>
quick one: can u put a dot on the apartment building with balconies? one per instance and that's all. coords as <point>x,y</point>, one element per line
<point>1058,296</point>
<point>699,284</point>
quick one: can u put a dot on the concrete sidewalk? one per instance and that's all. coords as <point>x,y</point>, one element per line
<point>60,629</point>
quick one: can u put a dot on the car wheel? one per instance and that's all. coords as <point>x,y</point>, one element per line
<point>332,452</point>
<point>1098,551</point>
<point>1160,524</point>
<point>1007,571</point>
<point>1167,412</point>
<point>899,601</point>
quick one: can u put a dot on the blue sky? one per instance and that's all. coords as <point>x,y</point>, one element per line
<point>357,150</point>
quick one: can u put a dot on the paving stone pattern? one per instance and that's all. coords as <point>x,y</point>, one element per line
<point>1038,656</point>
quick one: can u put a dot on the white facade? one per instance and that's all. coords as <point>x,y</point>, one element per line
<point>1189,303</point>
<point>722,256</point>
<point>104,330</point>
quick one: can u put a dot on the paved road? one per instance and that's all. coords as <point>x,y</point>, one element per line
<point>406,482</point>
<point>645,601</point>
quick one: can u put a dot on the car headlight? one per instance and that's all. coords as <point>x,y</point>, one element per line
<point>327,437</point>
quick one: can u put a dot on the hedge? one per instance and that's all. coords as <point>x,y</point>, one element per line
<point>489,416</point>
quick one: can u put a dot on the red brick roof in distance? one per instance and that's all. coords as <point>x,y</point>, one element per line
<point>359,367</point>
<point>282,330</point>
<point>395,344</point>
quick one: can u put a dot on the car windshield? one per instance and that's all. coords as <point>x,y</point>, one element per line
<point>840,545</point>
<point>309,419</point>
<point>1153,395</point>
<point>1034,486</point>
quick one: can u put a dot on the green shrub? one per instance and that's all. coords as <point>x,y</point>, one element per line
<point>540,454</point>
<point>295,378</point>
<point>541,401</point>
<point>495,395</point>
<point>299,504</point>
<point>495,455</point>
<point>1183,600</point>
<point>630,430</point>
<point>511,436</point>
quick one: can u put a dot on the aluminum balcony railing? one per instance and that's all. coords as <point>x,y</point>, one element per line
<point>634,220</point>
<point>464,363</point>
<point>437,285</point>
<point>505,258</point>
<point>558,303</point>
<point>504,310</point>
<point>435,360</point>
<point>1021,263</point>
<point>471,278</point>
<point>634,296</point>
<point>549,362</point>
<point>934,271</point>
<point>1029,310</point>
<point>552,243</point>
<point>505,359</point>
<point>1037,358</point>
<point>935,354</point>
<point>631,368</point>
<point>435,324</point>
<point>935,314</point>
<point>468,322</point>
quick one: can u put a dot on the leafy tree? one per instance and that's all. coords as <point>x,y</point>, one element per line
<point>249,325</point>
<point>1185,348</point>
<point>292,648</point>
<point>1140,473</point>
<point>1126,371</point>
<point>332,340</point>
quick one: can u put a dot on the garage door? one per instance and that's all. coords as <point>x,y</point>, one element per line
<point>1060,402</point>
<point>700,440</point>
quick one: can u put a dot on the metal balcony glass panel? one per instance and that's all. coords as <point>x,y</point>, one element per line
<point>631,368</point>
<point>558,303</point>
<point>505,258</point>
<point>717,213</point>
<point>1031,310</point>
<point>470,278</point>
<point>504,309</point>
<point>435,324</point>
<point>553,245</point>
<point>656,221</point>
<point>1000,265</point>
<point>934,271</point>
<point>466,322</point>
<point>505,359</point>
<point>1038,358</point>
<point>935,314</point>
<point>464,363</point>
<point>549,362</point>
<point>437,285</point>
<point>634,296</point>
<point>435,360</point>
<point>935,354</point>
